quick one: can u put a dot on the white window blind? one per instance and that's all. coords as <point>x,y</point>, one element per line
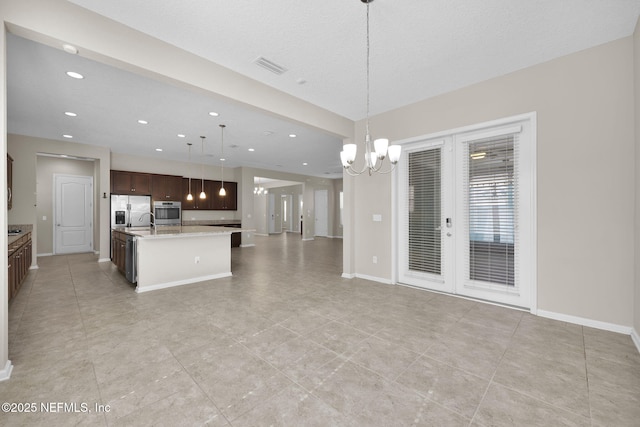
<point>491,197</point>
<point>425,211</point>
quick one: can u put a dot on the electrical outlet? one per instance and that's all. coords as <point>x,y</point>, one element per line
<point>375,259</point>
<point>197,260</point>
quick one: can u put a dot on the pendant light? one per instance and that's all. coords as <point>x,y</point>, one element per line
<point>189,196</point>
<point>222,190</point>
<point>380,147</point>
<point>203,195</point>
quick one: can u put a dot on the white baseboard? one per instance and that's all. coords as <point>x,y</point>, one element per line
<point>586,322</point>
<point>374,279</point>
<point>39,255</point>
<point>104,259</point>
<point>251,245</point>
<point>181,282</point>
<point>96,252</point>
<point>33,267</point>
<point>365,277</point>
<point>5,373</point>
<point>308,239</point>
<point>335,237</point>
<point>260,234</point>
<point>636,338</point>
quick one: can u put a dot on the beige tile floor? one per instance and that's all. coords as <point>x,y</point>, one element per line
<point>286,341</point>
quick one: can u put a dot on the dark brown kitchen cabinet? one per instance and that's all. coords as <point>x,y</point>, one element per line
<point>228,202</point>
<point>118,249</point>
<point>166,187</point>
<point>18,263</point>
<point>9,182</point>
<point>196,187</point>
<point>124,182</point>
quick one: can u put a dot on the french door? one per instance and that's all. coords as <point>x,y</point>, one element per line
<point>466,213</point>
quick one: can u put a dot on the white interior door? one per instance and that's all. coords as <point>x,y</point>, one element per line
<point>272,214</point>
<point>467,214</point>
<point>73,229</point>
<point>321,213</point>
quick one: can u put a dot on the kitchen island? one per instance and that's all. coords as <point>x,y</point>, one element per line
<point>167,256</point>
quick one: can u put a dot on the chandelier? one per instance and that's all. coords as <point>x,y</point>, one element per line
<point>374,153</point>
<point>258,190</point>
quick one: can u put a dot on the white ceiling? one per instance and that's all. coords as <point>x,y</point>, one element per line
<point>419,49</point>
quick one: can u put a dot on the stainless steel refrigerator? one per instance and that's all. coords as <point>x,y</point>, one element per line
<point>130,211</point>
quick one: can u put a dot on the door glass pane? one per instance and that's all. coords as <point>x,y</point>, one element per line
<point>425,211</point>
<point>492,210</point>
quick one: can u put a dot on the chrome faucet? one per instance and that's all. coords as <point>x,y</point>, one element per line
<point>152,218</point>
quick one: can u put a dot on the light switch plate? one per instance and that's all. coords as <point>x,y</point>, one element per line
<point>377,218</point>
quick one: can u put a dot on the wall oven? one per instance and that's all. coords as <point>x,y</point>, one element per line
<point>167,213</point>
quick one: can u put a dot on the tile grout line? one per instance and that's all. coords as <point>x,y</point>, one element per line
<point>495,371</point>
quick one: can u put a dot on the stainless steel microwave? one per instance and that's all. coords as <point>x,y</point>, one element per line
<point>167,213</point>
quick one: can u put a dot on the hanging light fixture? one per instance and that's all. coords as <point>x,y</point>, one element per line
<point>203,195</point>
<point>189,196</point>
<point>222,190</point>
<point>375,153</point>
<point>258,189</point>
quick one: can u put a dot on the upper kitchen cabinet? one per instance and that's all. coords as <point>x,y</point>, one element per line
<point>9,181</point>
<point>224,203</point>
<point>196,187</point>
<point>166,187</point>
<point>123,182</point>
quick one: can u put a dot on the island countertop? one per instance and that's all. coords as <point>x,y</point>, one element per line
<point>172,231</point>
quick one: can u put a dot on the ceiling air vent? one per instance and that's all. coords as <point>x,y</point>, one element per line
<point>270,66</point>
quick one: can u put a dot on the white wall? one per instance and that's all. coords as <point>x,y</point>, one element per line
<point>636,41</point>
<point>5,363</point>
<point>585,175</point>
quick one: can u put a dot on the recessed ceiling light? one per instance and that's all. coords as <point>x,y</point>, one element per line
<point>143,122</point>
<point>70,114</point>
<point>222,160</point>
<point>67,136</point>
<point>180,135</point>
<point>158,149</point>
<point>292,135</point>
<point>75,75</point>
<point>213,114</point>
<point>70,49</point>
<point>305,164</point>
<point>252,149</point>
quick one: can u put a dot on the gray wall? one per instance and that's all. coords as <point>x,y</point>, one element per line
<point>585,176</point>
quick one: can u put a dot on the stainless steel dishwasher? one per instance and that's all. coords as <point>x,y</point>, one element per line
<point>130,262</point>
